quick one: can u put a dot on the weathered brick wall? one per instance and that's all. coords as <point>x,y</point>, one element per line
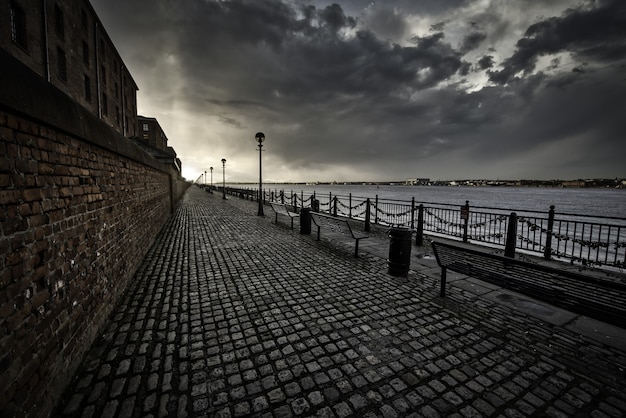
<point>79,207</point>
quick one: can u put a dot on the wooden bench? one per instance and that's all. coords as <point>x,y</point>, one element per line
<point>281,209</point>
<point>596,297</point>
<point>337,225</point>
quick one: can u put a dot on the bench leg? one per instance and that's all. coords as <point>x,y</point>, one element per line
<point>356,248</point>
<point>442,291</point>
<point>291,222</point>
<point>276,219</point>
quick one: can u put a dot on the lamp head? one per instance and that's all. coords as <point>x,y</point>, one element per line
<point>260,137</point>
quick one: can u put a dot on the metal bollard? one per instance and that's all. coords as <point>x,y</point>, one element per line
<point>399,251</point>
<point>305,221</point>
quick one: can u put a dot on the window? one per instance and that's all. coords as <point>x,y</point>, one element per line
<point>59,23</point>
<point>145,127</point>
<point>61,64</point>
<point>117,115</point>
<point>87,88</point>
<point>85,54</point>
<point>83,19</point>
<point>18,26</point>
<point>103,54</point>
<point>105,105</point>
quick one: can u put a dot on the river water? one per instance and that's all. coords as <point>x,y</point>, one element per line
<point>575,201</point>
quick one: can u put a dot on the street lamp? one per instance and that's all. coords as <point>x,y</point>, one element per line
<point>260,137</point>
<point>205,179</point>
<point>223,178</point>
<point>211,189</point>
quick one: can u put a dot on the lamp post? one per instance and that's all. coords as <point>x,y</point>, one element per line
<point>205,178</point>
<point>260,137</point>
<point>211,188</point>
<point>223,178</point>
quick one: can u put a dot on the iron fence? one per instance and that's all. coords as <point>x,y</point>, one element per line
<point>584,239</point>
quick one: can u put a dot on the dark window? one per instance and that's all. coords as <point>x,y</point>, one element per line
<point>87,89</point>
<point>61,64</point>
<point>18,26</point>
<point>117,92</point>
<point>105,105</point>
<point>59,21</point>
<point>103,54</point>
<point>85,53</point>
<point>117,115</point>
<point>83,19</point>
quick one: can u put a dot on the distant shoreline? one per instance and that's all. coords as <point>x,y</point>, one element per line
<point>593,183</point>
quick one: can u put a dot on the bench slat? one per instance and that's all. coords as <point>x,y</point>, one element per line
<point>592,296</point>
<point>337,225</point>
<point>281,209</point>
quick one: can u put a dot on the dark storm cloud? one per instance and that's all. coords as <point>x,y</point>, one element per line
<point>472,41</point>
<point>347,85</point>
<point>485,62</point>
<point>589,32</point>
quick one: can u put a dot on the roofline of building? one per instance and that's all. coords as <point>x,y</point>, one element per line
<point>106,34</point>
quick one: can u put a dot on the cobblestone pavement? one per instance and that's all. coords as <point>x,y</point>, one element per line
<point>232,316</point>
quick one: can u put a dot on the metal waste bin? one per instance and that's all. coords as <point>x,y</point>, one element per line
<point>305,221</point>
<point>399,251</point>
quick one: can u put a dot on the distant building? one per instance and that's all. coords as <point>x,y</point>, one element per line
<point>573,183</point>
<point>153,140</point>
<point>150,131</point>
<point>417,182</point>
<point>65,43</point>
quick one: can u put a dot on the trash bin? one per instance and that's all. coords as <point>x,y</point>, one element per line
<point>305,221</point>
<point>399,251</point>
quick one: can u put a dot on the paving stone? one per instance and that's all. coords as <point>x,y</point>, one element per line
<point>231,315</point>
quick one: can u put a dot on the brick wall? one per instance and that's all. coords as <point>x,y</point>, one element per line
<point>79,207</point>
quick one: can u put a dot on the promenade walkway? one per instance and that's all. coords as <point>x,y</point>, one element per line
<point>232,316</point>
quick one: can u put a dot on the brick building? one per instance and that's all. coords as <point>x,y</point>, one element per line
<point>64,42</point>
<point>153,140</point>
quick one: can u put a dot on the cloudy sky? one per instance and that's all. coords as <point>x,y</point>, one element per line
<point>362,90</point>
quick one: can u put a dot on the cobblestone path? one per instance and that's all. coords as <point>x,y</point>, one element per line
<point>231,316</point>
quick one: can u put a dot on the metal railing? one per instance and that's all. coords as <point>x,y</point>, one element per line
<point>588,240</point>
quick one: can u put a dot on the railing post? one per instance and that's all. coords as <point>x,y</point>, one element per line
<point>330,202</point>
<point>419,236</point>
<point>413,213</point>
<point>282,197</point>
<point>511,236</point>
<point>376,211</point>
<point>547,252</point>
<point>350,206</point>
<point>367,214</point>
<point>335,206</point>
<point>465,217</point>
<point>313,199</point>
